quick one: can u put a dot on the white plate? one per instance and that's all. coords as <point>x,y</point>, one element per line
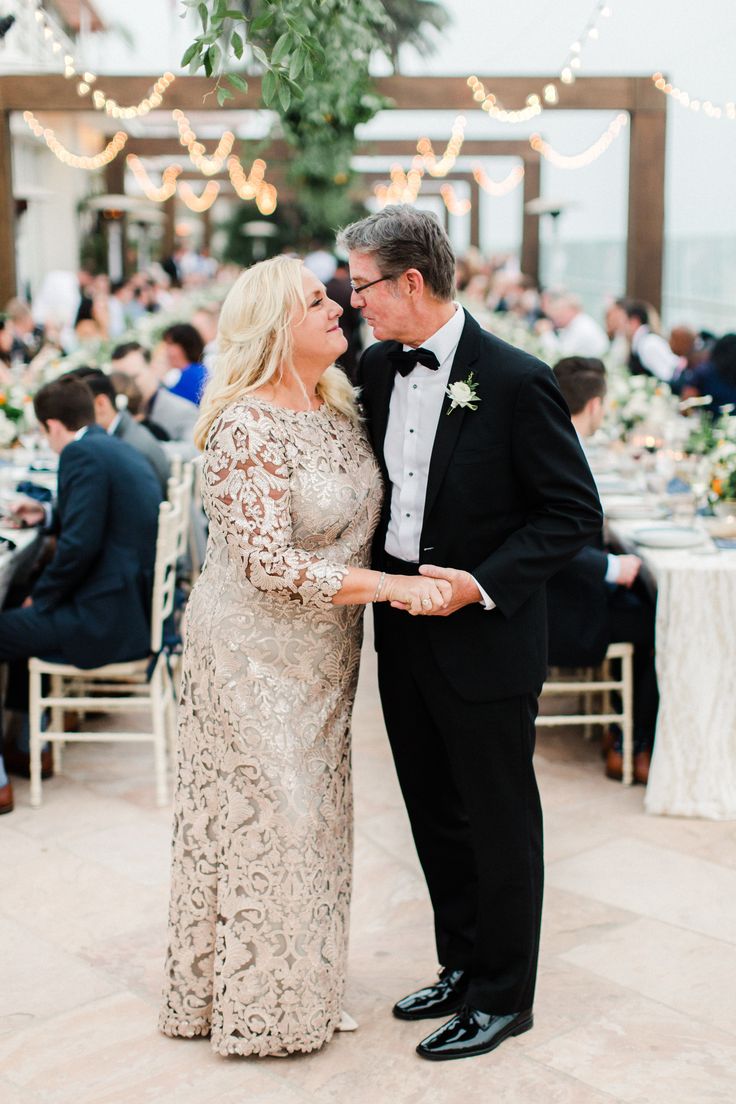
<point>615,485</point>
<point>634,510</point>
<point>669,536</point>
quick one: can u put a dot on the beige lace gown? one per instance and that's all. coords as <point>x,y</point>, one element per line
<point>262,850</point>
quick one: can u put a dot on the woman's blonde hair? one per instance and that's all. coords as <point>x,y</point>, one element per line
<point>255,343</point>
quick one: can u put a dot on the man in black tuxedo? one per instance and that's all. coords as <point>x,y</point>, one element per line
<point>597,598</point>
<point>91,605</point>
<point>488,488</point>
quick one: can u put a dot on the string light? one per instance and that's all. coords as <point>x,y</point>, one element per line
<point>404,187</point>
<point>206,165</point>
<point>56,40</point>
<point>499,187</point>
<point>76,161</point>
<point>454,205</point>
<point>713,111</point>
<point>202,202</point>
<point>580,160</point>
<point>253,185</point>
<point>489,104</point>
<point>590,32</point>
<point>442,166</point>
<point>168,179</point>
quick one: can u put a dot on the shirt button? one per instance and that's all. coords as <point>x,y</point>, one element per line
<point>411,430</point>
<point>411,473</point>
<point>408,515</point>
<point>414,386</point>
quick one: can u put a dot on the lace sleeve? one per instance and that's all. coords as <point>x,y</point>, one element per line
<point>248,481</point>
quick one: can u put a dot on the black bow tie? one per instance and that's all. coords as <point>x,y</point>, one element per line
<point>404,362</point>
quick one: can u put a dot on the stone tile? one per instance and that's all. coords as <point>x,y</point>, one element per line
<point>142,856</point>
<point>646,1054</point>
<point>569,919</point>
<point>134,959</point>
<point>68,900</point>
<point>655,882</point>
<point>684,970</point>
<point>70,808</point>
<point>40,979</point>
<point>9,1094</point>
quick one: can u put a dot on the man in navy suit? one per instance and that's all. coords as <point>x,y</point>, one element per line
<point>92,603</point>
<point>598,598</point>
<point>487,487</point>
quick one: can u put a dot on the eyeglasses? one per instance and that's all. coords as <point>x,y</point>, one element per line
<point>362,287</point>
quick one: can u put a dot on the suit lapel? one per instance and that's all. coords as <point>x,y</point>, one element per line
<point>381,401</point>
<point>448,429</point>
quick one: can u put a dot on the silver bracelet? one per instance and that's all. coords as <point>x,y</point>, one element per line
<point>381,581</point>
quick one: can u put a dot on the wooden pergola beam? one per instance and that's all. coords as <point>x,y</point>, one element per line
<point>279,150</point>
<point>53,92</point>
<point>635,95</point>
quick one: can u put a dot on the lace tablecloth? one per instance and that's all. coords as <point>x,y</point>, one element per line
<point>693,771</point>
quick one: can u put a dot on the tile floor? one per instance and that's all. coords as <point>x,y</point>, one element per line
<point>637,994</point>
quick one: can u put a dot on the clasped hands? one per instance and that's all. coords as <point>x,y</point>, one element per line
<point>436,591</point>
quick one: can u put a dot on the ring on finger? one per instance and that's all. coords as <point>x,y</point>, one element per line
<point>426,602</point>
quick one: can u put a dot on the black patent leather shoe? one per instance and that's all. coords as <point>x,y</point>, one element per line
<point>441,999</point>
<point>471,1032</point>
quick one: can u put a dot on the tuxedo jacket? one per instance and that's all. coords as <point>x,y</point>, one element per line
<point>143,441</point>
<point>510,498</point>
<point>97,588</point>
<point>578,609</point>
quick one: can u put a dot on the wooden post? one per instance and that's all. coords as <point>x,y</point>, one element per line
<point>530,223</point>
<point>8,285</point>
<point>475,214</point>
<point>169,238</point>
<point>206,228</point>
<point>645,246</point>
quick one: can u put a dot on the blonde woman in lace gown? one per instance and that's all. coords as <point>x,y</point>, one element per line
<point>262,849</point>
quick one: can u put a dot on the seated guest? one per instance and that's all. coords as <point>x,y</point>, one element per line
<point>169,417</point>
<point>118,422</point>
<point>568,330</point>
<point>716,376</point>
<point>650,354</point>
<point>185,349</point>
<point>92,604</point>
<point>596,600</point>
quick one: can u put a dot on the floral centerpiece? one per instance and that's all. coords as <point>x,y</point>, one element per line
<point>16,413</point>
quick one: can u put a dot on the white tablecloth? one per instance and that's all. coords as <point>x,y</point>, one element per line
<point>693,771</point>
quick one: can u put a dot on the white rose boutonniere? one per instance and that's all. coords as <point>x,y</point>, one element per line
<point>463,394</point>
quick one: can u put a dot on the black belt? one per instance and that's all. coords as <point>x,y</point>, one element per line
<point>399,567</point>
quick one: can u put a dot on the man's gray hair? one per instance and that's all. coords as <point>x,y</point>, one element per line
<point>398,238</point>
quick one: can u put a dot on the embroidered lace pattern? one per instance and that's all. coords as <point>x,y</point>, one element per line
<point>262,848</point>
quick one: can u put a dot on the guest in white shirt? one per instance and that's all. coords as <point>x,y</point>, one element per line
<point>650,354</point>
<point>568,330</point>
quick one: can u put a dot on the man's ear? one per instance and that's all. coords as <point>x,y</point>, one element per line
<point>414,281</point>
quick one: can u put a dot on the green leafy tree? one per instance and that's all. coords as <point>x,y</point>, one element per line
<point>412,24</point>
<point>314,57</point>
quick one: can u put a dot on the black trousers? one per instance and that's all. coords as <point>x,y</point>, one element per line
<point>24,633</point>
<point>466,774</point>
<point>631,619</point>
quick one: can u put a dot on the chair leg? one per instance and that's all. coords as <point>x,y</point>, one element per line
<point>34,718</point>
<point>627,678</point>
<point>158,717</point>
<point>57,721</point>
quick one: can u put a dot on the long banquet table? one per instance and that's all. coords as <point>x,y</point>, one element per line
<point>693,770</point>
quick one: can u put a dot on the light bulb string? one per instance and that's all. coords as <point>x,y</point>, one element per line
<point>694,103</point>
<point>499,188</point>
<point>77,161</point>
<point>61,46</point>
<point>585,157</point>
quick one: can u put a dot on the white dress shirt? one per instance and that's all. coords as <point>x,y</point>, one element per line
<point>582,336</point>
<point>655,354</point>
<point>414,412</point>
